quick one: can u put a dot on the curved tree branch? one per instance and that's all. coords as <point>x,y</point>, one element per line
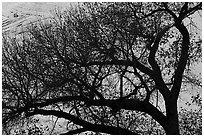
<point>169,11</point>
<point>183,58</point>
<point>133,104</point>
<point>89,126</point>
<point>128,104</point>
<point>151,59</point>
<point>185,46</point>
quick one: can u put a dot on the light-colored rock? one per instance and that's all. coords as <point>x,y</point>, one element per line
<point>16,15</point>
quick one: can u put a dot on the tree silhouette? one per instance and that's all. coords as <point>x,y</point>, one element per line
<point>102,66</point>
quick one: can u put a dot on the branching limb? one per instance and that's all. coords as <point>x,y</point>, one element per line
<point>89,126</point>
<point>151,59</point>
<point>134,63</point>
<point>182,60</point>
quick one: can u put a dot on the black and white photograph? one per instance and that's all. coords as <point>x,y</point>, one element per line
<point>101,68</point>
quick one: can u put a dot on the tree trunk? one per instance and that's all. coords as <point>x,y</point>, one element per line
<point>172,118</point>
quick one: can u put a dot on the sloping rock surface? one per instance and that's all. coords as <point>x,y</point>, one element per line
<point>16,15</point>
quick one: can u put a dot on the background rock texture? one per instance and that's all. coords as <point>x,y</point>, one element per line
<point>16,15</point>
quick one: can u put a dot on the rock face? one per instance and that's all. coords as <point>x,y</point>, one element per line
<point>16,15</point>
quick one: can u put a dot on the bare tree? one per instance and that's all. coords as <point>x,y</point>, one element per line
<point>101,62</point>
